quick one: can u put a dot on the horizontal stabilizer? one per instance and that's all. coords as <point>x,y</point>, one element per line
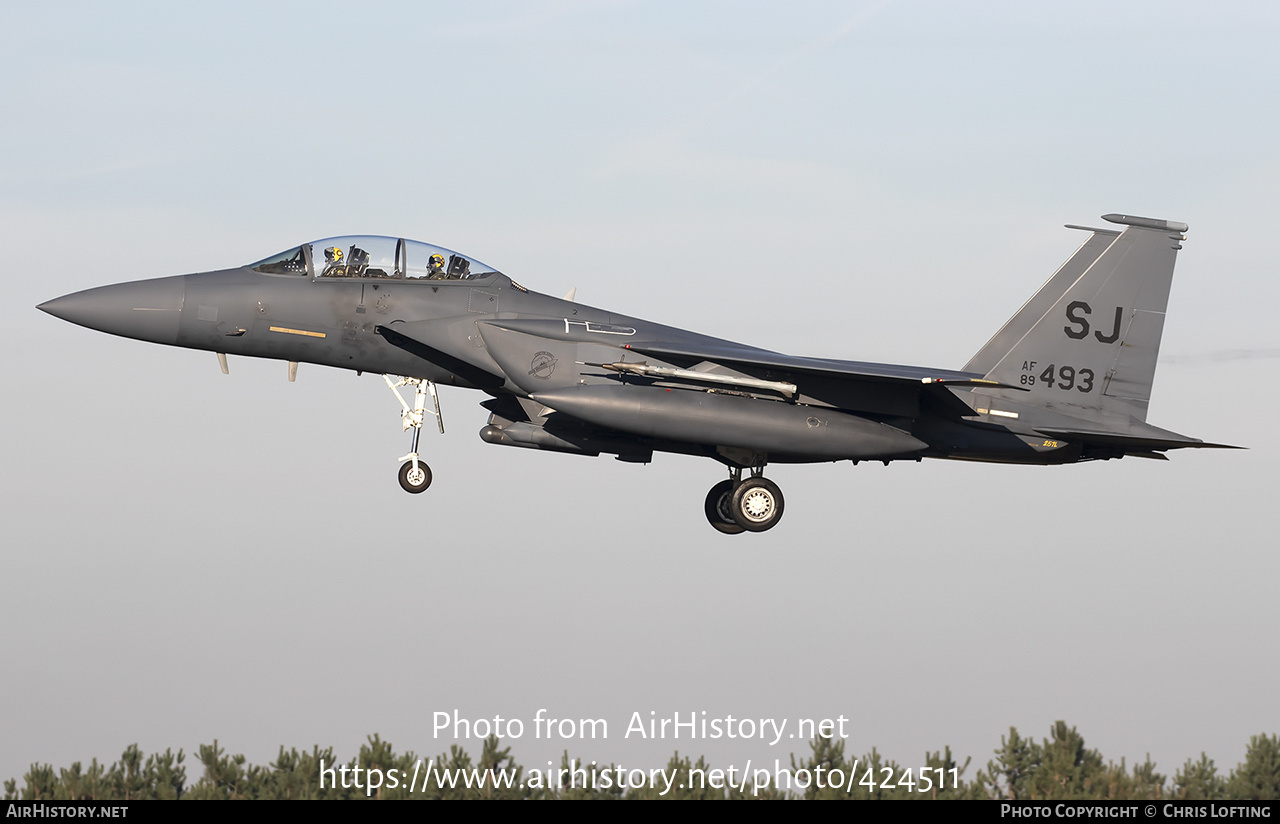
<point>1135,442</point>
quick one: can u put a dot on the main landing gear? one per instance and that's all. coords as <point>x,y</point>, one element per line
<point>415,475</point>
<point>751,505</point>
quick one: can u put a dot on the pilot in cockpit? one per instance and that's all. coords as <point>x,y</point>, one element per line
<point>332,262</point>
<point>435,268</point>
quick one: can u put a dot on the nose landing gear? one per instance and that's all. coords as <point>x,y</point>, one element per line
<point>415,475</point>
<point>752,505</point>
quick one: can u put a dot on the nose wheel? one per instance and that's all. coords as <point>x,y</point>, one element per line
<point>415,475</point>
<point>737,505</point>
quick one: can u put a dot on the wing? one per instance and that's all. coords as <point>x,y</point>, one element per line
<point>855,385</point>
<point>738,356</point>
<point>875,388</point>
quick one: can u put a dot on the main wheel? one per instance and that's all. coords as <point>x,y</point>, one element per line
<point>717,508</point>
<point>756,505</point>
<point>415,481</point>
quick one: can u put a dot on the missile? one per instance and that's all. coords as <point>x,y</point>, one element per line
<point>644,370</point>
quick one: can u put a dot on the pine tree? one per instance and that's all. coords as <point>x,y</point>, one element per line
<point>1258,778</point>
<point>1009,775</point>
<point>945,776</point>
<point>826,754</point>
<point>1067,771</point>
<point>1199,781</point>
<point>225,777</point>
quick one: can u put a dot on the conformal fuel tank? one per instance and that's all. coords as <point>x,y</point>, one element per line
<point>731,421</point>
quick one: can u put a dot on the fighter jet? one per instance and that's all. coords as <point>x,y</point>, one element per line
<point>1066,379</point>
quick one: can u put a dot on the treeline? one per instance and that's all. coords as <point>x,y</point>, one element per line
<point>1058,767</point>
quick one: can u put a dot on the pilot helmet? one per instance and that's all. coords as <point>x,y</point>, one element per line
<point>437,261</point>
<point>333,254</point>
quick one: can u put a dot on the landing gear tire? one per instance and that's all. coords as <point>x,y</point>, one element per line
<point>756,504</point>
<point>717,509</point>
<point>415,481</point>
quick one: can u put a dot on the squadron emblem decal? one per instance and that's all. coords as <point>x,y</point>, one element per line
<point>542,365</point>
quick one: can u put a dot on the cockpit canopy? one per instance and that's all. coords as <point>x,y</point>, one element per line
<point>373,257</point>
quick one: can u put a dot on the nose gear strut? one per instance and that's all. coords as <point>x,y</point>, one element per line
<point>415,475</point>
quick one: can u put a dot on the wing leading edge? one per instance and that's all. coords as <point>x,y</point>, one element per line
<point>747,357</point>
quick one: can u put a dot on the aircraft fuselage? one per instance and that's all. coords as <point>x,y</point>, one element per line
<point>567,377</point>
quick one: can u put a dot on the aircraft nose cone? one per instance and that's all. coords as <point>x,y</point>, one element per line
<point>142,309</point>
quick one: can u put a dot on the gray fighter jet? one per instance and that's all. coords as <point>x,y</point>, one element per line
<point>1067,379</point>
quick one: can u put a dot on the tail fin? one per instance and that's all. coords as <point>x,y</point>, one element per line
<point>1035,308</point>
<point>1086,344</point>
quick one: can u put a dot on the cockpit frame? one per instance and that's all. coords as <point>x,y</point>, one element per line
<point>374,257</point>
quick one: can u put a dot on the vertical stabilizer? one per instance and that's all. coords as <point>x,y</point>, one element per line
<point>1087,346</point>
<point>1042,301</point>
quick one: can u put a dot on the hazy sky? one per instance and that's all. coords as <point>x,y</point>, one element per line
<point>189,556</point>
